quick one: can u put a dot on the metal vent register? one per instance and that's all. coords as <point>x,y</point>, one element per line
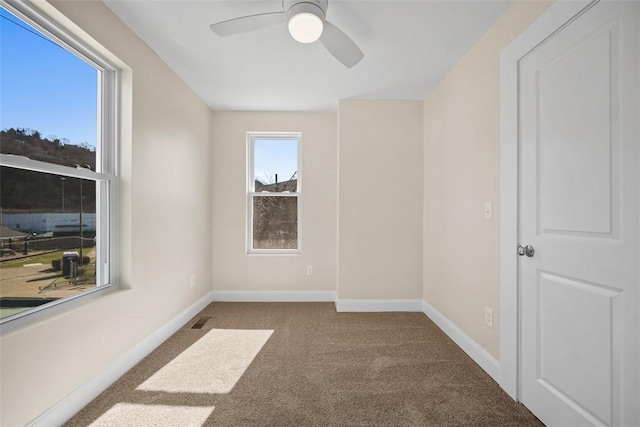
<point>200,323</point>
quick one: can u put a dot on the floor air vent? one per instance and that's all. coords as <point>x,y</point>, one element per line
<point>200,323</point>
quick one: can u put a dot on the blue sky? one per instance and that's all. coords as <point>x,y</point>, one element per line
<point>44,87</point>
<point>274,156</point>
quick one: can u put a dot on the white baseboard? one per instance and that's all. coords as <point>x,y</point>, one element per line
<point>342,305</point>
<point>83,395</point>
<point>274,296</point>
<point>479,355</point>
<point>378,305</point>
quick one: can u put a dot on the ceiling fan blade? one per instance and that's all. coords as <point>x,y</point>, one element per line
<point>247,23</point>
<point>340,45</point>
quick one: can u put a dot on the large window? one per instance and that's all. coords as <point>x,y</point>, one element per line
<point>274,193</point>
<point>57,165</point>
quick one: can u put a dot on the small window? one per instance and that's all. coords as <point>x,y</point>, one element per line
<point>274,193</point>
<point>57,165</point>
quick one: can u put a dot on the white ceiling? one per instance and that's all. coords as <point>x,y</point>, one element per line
<point>408,45</point>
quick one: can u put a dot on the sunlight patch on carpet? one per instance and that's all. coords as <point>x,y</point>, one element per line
<point>129,414</point>
<point>213,364</point>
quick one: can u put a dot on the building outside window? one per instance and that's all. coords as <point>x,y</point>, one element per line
<point>274,193</point>
<point>57,165</point>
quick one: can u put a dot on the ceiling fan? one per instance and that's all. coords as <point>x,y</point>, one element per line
<point>307,23</point>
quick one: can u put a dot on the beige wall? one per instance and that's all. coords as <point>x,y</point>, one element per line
<point>232,268</point>
<point>461,173</point>
<point>380,199</point>
<point>165,238</point>
<point>406,184</point>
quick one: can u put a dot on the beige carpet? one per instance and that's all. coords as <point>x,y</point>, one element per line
<point>303,364</point>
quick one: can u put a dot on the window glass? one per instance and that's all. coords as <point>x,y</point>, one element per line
<point>275,222</point>
<point>274,193</point>
<point>275,165</point>
<point>49,98</point>
<point>48,238</point>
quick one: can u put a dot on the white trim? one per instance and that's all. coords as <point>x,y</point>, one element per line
<point>479,355</point>
<point>274,296</point>
<point>83,395</point>
<point>342,305</point>
<point>509,295</point>
<point>553,20</point>
<point>251,139</point>
<point>378,305</point>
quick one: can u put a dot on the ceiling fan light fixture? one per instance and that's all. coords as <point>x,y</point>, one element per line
<point>306,22</point>
<point>305,27</point>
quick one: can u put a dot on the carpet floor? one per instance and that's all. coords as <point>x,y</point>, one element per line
<point>303,364</point>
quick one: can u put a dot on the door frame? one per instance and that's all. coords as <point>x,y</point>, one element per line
<point>558,16</point>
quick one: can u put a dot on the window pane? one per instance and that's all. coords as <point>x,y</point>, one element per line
<point>47,238</point>
<point>275,222</point>
<point>276,165</point>
<point>49,98</point>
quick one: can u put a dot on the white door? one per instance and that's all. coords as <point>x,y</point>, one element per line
<point>579,191</point>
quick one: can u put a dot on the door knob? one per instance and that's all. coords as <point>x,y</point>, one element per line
<point>526,250</point>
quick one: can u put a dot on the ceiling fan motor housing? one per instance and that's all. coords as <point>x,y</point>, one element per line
<point>314,7</point>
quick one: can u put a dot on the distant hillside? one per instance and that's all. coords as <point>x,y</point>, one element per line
<point>30,144</point>
<point>37,192</point>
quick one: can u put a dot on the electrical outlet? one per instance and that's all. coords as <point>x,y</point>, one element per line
<point>192,281</point>
<point>488,317</point>
<point>309,270</point>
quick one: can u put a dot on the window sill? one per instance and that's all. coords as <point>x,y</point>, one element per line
<point>273,253</point>
<point>48,311</point>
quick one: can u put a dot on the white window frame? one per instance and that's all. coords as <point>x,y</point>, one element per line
<point>251,193</point>
<point>106,152</point>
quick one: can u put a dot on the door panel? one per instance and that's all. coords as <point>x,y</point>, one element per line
<point>583,203</point>
<point>578,109</point>
<point>576,328</point>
